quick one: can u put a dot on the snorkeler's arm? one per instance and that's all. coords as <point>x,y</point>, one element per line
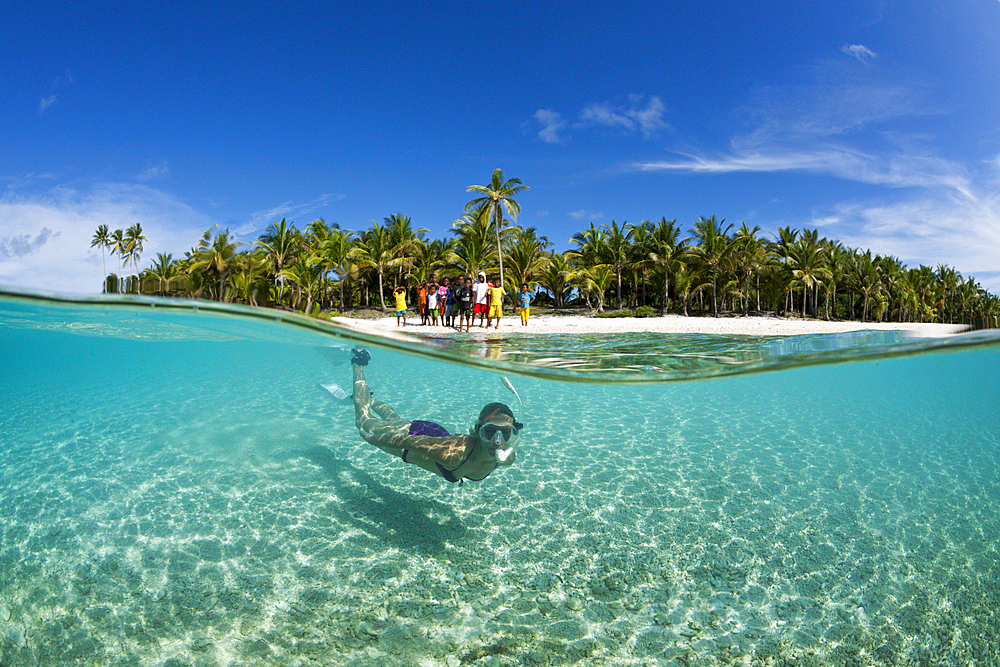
<point>450,451</point>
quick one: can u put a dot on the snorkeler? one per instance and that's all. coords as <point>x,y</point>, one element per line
<point>490,443</point>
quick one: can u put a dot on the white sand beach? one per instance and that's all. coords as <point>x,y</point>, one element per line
<point>747,326</point>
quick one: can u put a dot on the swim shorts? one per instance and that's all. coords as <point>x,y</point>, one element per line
<point>496,311</point>
<point>400,313</point>
<point>480,308</point>
<point>427,428</point>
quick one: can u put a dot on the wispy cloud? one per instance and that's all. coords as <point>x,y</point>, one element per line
<point>931,228</point>
<point>285,210</point>
<point>646,117</point>
<point>552,123</point>
<point>859,51</point>
<point>637,115</point>
<point>586,215</point>
<point>838,124</point>
<point>61,81</point>
<point>153,172</point>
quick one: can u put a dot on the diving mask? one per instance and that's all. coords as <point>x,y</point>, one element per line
<point>499,434</point>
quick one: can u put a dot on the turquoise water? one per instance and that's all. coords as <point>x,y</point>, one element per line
<point>175,490</point>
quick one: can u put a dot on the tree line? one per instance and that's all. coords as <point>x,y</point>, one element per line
<point>655,265</point>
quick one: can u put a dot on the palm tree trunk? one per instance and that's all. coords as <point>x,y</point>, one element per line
<point>381,291</point>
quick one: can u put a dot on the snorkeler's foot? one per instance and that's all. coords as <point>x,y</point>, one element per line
<point>360,356</point>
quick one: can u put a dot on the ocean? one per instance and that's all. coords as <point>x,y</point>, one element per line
<point>176,490</point>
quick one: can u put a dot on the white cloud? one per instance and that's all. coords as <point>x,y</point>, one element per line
<point>551,122</point>
<point>637,115</point>
<point>46,102</point>
<point>929,229</point>
<point>859,51</point>
<point>634,115</point>
<point>586,215</point>
<point>153,172</point>
<point>46,237</point>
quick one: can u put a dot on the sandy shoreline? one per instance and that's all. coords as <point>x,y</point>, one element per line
<point>747,326</point>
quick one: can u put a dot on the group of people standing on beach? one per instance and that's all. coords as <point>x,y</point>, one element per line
<point>461,300</point>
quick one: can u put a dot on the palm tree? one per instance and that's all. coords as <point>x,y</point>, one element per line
<point>470,254</point>
<point>102,239</point>
<point>375,251</point>
<point>500,194</point>
<point>667,252</point>
<point>118,247</point>
<point>162,271</point>
<point>527,256</point>
<point>405,238</point>
<point>216,255</point>
<point>807,260</point>
<point>782,245</point>
<point>281,241</point>
<point>336,251</point>
<point>713,250</point>
<point>430,257</point>
<point>556,276</point>
<point>751,256</point>
<point>615,250</point>
<point>133,243</point>
<point>595,280</point>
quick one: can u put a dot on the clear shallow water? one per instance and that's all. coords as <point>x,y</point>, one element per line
<point>175,490</point>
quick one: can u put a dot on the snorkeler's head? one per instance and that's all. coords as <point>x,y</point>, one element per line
<point>497,428</point>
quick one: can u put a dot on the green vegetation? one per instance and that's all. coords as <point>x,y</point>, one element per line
<point>646,268</point>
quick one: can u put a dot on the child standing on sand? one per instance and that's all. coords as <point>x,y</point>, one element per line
<point>400,294</point>
<point>524,303</point>
<point>497,294</point>
<point>432,304</point>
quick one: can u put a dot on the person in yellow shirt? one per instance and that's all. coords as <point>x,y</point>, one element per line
<point>497,294</point>
<point>400,294</point>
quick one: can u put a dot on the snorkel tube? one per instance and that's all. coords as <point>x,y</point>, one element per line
<point>501,453</point>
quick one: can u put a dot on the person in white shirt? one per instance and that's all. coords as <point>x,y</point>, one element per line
<point>482,292</point>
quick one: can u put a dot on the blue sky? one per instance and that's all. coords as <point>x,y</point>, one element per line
<point>876,122</point>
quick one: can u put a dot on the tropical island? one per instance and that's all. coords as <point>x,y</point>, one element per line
<point>647,269</point>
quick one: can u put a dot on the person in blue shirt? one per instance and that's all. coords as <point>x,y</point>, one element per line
<point>524,298</point>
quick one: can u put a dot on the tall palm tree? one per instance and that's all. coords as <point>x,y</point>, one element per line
<point>713,250</point>
<point>281,241</point>
<point>807,261</point>
<point>667,252</point>
<point>406,238</point>
<point>376,251</point>
<point>556,276</point>
<point>336,251</point>
<point>782,245</point>
<point>470,254</point>
<point>750,257</point>
<point>215,255</point>
<point>595,280</point>
<point>615,250</point>
<point>118,247</point>
<point>102,239</point>
<point>500,194</point>
<point>527,256</point>
<point>162,271</point>
<point>133,243</point>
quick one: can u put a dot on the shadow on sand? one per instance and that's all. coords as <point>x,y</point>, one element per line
<point>387,517</point>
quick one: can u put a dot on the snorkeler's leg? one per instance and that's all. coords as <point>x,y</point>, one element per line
<point>362,396</point>
<point>384,411</point>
